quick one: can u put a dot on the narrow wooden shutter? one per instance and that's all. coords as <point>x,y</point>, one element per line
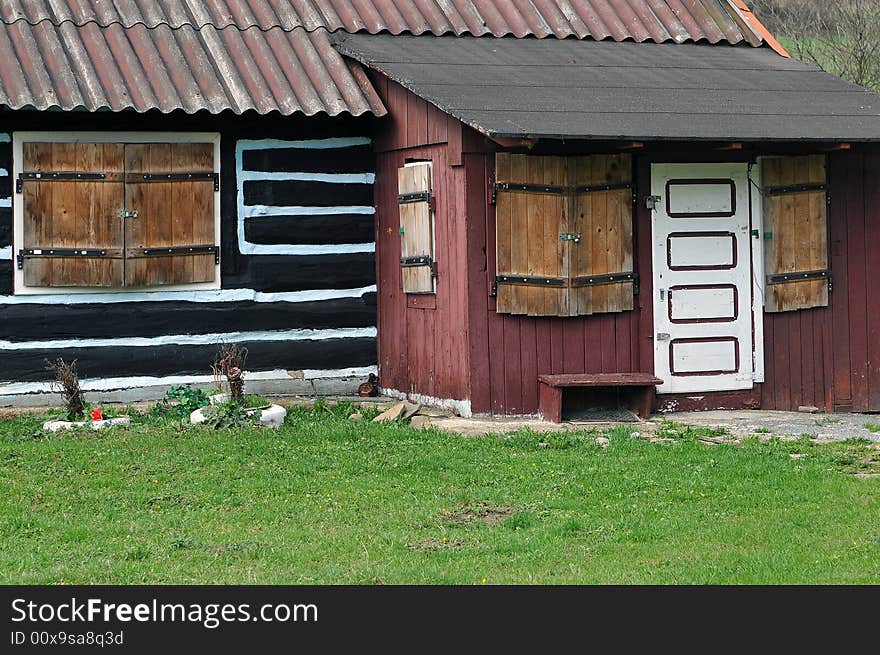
<point>169,197</point>
<point>795,233</point>
<point>563,235</point>
<point>530,220</point>
<point>416,228</point>
<point>71,193</point>
<point>601,262</point>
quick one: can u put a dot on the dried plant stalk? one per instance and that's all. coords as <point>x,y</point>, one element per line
<point>230,362</point>
<point>66,383</point>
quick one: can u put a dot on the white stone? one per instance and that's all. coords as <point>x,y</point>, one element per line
<point>602,441</point>
<point>273,416</point>
<point>54,426</point>
<point>218,398</point>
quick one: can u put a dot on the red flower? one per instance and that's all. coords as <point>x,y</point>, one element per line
<point>97,414</point>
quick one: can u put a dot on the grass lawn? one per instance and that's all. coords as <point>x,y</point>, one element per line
<point>327,500</point>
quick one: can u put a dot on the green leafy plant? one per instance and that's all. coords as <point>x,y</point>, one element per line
<point>230,415</point>
<point>181,401</point>
<point>252,401</point>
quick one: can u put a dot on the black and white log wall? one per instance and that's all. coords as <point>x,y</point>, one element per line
<point>297,261</point>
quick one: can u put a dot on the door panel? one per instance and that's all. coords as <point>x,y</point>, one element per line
<point>702,277</point>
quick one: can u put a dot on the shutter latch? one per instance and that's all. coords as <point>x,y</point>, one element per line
<point>127,213</point>
<point>570,236</point>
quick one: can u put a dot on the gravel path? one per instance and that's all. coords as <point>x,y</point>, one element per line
<point>823,427</point>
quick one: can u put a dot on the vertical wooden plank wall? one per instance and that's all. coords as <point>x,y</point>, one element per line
<point>830,357</point>
<point>824,357</point>
<point>508,353</point>
<point>423,346</point>
<point>462,349</point>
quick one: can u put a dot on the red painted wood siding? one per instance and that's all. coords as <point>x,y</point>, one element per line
<point>422,339</point>
<point>462,349</point>
<point>508,353</point>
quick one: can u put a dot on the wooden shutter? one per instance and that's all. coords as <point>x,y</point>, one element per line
<point>563,235</point>
<point>530,215</point>
<point>71,193</point>
<point>795,233</point>
<point>601,263</point>
<point>169,195</point>
<point>416,228</point>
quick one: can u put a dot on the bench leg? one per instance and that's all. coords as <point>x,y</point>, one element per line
<point>645,401</point>
<point>550,403</point>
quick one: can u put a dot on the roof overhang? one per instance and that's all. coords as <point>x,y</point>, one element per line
<point>603,90</point>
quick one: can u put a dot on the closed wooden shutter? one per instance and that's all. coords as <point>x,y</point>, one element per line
<point>563,235</point>
<point>71,193</point>
<point>169,195</point>
<point>416,227</point>
<point>795,233</point>
<point>601,263</point>
<point>531,213</point>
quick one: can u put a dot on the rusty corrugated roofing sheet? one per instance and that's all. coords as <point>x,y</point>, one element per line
<point>274,55</point>
<point>66,66</point>
<point>640,20</point>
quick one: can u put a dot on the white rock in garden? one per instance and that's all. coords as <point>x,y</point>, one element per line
<point>273,416</point>
<point>602,441</point>
<point>54,426</point>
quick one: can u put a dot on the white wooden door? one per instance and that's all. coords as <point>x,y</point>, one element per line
<point>702,277</point>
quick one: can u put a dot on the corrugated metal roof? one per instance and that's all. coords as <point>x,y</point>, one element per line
<point>65,66</point>
<point>611,91</point>
<point>274,55</point>
<point>640,20</point>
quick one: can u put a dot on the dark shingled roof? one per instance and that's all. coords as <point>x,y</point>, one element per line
<point>609,90</point>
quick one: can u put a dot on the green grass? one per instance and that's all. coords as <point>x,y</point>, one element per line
<point>327,500</point>
<point>872,427</point>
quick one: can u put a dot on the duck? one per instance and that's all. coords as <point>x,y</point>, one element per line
<point>370,387</point>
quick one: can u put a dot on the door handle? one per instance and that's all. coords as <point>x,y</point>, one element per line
<point>662,294</point>
<point>662,336</point>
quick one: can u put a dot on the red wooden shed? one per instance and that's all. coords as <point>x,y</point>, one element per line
<point>689,217</point>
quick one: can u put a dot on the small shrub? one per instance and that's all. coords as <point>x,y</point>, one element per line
<point>66,383</point>
<point>181,401</point>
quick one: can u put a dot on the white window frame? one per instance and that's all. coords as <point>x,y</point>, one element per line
<point>20,138</point>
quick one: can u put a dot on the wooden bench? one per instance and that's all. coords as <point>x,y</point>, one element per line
<point>639,399</point>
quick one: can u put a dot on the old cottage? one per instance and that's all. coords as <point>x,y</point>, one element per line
<point>550,204</point>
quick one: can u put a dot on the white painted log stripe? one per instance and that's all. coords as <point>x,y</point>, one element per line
<point>322,144</point>
<point>6,253</point>
<point>255,211</point>
<point>248,248</point>
<point>4,172</point>
<point>245,247</point>
<point>195,339</point>
<point>5,138</point>
<point>219,295</point>
<point>5,202</point>
<point>133,382</point>
<point>331,178</point>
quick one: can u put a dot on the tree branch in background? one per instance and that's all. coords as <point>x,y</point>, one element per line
<point>841,37</point>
